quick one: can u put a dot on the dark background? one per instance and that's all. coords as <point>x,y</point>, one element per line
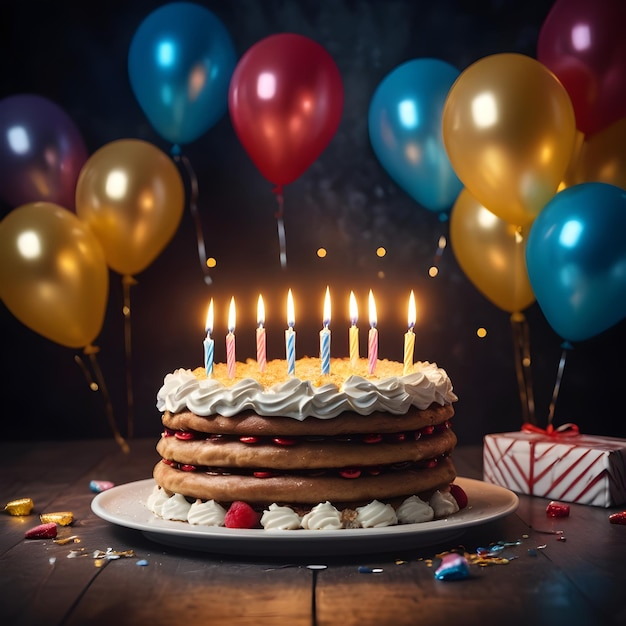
<point>75,53</point>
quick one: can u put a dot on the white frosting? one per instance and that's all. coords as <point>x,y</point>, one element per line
<point>280,518</point>
<point>209,513</point>
<point>323,516</point>
<point>414,510</point>
<point>376,515</point>
<point>443,504</point>
<point>156,500</point>
<point>299,399</point>
<point>175,508</point>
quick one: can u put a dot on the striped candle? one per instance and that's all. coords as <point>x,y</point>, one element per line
<point>230,340</point>
<point>290,336</point>
<point>261,341</point>
<point>409,337</point>
<point>372,339</point>
<point>209,344</point>
<point>354,331</point>
<point>325,336</point>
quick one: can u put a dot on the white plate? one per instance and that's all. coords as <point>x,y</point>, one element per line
<point>124,505</point>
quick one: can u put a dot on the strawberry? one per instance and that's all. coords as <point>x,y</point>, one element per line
<point>459,495</point>
<point>557,509</point>
<point>43,531</point>
<point>241,515</point>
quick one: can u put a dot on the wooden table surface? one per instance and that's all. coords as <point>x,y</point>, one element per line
<point>576,580</point>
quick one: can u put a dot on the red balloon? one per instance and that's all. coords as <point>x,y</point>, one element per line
<point>583,43</point>
<point>285,102</point>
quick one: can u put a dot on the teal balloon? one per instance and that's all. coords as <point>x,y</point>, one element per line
<point>180,63</point>
<point>404,122</point>
<point>576,260</point>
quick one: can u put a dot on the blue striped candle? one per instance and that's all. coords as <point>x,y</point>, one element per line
<point>290,336</point>
<point>209,344</point>
<point>325,336</point>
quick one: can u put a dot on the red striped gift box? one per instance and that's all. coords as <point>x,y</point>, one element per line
<point>559,465</point>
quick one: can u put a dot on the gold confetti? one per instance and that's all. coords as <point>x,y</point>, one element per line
<point>22,506</point>
<point>62,518</point>
<point>65,540</point>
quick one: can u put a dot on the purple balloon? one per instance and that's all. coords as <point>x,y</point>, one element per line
<point>41,152</point>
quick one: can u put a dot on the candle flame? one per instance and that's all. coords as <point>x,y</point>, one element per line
<point>372,310</point>
<point>291,315</point>
<point>232,316</point>
<point>354,310</point>
<point>208,326</point>
<point>260,312</point>
<point>327,307</point>
<point>412,313</point>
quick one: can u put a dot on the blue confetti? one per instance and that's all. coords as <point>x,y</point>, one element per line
<point>363,569</point>
<point>142,562</point>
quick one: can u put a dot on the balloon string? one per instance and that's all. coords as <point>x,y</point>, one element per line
<point>521,346</point>
<point>195,214</point>
<point>91,351</point>
<point>280,223</point>
<point>127,283</point>
<point>559,377</point>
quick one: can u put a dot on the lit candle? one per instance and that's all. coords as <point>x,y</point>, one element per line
<point>325,336</point>
<point>261,345</point>
<point>290,336</point>
<point>209,344</point>
<point>230,340</point>
<point>409,337</point>
<point>372,340</point>
<point>354,331</point>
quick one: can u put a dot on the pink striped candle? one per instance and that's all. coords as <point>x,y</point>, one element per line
<point>261,347</point>
<point>230,340</point>
<point>372,339</point>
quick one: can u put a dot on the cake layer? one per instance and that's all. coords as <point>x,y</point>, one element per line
<point>303,454</point>
<point>305,490</point>
<point>249,423</point>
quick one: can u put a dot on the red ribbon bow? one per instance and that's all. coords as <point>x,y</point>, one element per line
<point>565,430</point>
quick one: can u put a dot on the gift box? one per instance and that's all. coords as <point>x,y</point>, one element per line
<point>558,464</point>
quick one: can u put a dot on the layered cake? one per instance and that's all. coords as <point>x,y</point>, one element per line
<point>302,443</point>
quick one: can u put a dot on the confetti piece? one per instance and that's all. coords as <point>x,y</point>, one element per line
<point>453,567</point>
<point>111,554</point>
<point>98,486</point>
<point>364,569</point>
<point>65,540</point>
<point>62,518</point>
<point>43,531</point>
<point>618,518</point>
<point>557,509</point>
<point>52,560</point>
<point>22,506</point>
<point>78,552</point>
<point>561,538</point>
<point>142,562</point>
<point>316,567</point>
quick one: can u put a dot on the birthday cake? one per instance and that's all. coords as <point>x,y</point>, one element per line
<point>306,450</point>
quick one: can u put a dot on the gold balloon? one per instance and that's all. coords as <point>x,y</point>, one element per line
<point>509,131</point>
<point>53,274</point>
<point>491,253</point>
<point>602,157</point>
<point>131,195</point>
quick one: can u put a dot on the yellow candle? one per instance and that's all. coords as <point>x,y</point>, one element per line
<point>409,337</point>
<point>354,331</point>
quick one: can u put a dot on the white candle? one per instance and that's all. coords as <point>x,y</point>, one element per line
<point>290,336</point>
<point>372,340</point>
<point>230,340</point>
<point>261,342</point>
<point>325,336</point>
<point>209,344</point>
<point>409,337</point>
<point>354,331</point>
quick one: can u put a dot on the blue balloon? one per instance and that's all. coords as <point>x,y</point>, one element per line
<point>576,260</point>
<point>180,63</point>
<point>406,134</point>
